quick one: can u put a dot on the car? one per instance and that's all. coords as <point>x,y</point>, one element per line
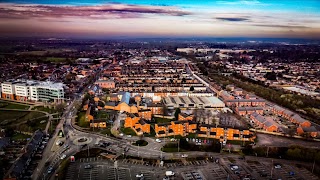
<point>234,167</point>
<point>291,173</point>
<point>129,136</point>
<point>88,166</point>
<point>172,139</point>
<point>158,140</point>
<point>50,169</point>
<point>121,134</point>
<point>184,155</point>
<point>278,166</point>
<point>63,156</point>
<point>139,175</point>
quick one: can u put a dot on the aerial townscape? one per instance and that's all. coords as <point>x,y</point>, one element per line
<point>125,90</point>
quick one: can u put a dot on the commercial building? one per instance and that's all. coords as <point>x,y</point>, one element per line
<point>26,90</point>
<point>173,102</point>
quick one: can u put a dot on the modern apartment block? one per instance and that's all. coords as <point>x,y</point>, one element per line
<point>26,90</point>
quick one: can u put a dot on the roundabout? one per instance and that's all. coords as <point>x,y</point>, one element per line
<point>82,141</point>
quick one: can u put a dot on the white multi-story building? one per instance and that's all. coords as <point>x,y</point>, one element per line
<point>23,90</point>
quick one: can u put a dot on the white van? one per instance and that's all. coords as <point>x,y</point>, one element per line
<point>169,173</point>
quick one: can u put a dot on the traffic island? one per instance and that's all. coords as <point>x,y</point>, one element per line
<point>140,143</point>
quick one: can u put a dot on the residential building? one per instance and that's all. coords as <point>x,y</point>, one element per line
<point>98,123</point>
<point>267,124</point>
<point>224,134</point>
<point>308,131</point>
<point>108,84</point>
<point>175,128</point>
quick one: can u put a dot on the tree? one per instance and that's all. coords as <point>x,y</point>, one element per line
<point>191,88</point>
<point>183,80</point>
<point>176,113</point>
<point>60,107</point>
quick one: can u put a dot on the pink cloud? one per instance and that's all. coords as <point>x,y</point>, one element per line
<point>15,11</point>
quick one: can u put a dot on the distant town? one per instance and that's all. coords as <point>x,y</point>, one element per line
<point>159,109</point>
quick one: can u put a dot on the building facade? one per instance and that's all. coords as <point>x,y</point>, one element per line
<point>25,90</point>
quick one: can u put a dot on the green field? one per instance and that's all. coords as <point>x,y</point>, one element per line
<point>128,131</point>
<point>9,105</point>
<point>45,109</point>
<point>102,115</point>
<point>11,117</point>
<point>81,119</point>
<point>162,120</point>
<point>20,137</point>
<point>55,59</point>
<point>8,115</point>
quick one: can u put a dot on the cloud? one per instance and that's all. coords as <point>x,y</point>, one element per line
<point>242,2</point>
<point>280,26</point>
<point>106,11</point>
<point>233,19</point>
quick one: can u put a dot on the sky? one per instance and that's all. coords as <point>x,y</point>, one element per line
<point>161,18</point>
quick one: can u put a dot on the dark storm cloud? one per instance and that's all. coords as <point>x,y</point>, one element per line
<point>15,11</point>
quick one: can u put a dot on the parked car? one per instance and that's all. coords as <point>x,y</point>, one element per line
<point>278,166</point>
<point>63,156</point>
<point>50,169</point>
<point>158,140</point>
<point>184,155</point>
<point>139,175</point>
<point>88,166</point>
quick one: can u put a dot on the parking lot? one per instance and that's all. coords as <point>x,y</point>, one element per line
<point>187,169</point>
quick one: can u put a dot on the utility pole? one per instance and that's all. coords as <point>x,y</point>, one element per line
<point>267,151</point>
<point>138,150</point>
<point>179,145</point>
<point>271,168</point>
<point>314,162</point>
<point>88,151</point>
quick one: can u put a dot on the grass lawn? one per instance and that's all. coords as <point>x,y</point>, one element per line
<point>8,105</point>
<point>128,131</point>
<point>152,132</point>
<point>7,115</point>
<point>45,109</point>
<point>38,125</point>
<point>20,137</point>
<point>13,117</point>
<point>102,115</point>
<point>162,120</point>
<point>106,131</point>
<point>81,119</point>
<point>31,115</point>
